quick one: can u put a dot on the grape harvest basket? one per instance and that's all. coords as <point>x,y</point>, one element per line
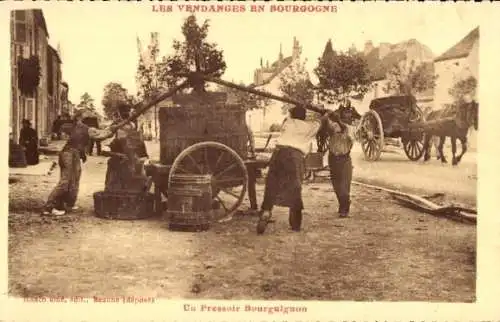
<point>123,205</point>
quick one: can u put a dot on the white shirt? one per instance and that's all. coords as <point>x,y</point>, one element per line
<point>298,134</point>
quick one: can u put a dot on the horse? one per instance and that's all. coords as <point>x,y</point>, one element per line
<point>461,117</point>
<point>434,140</point>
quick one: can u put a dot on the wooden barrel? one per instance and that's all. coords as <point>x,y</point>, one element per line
<point>190,202</point>
<point>17,156</point>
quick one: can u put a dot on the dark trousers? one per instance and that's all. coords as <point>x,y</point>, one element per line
<point>341,177</point>
<point>97,144</point>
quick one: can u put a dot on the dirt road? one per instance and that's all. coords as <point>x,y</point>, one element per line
<point>395,170</point>
<point>383,252</point>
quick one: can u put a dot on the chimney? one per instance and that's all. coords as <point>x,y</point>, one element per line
<point>59,52</point>
<point>280,57</point>
<point>352,50</point>
<point>368,47</point>
<point>261,63</point>
<point>296,49</point>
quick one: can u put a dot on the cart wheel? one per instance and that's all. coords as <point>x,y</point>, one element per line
<point>229,173</point>
<point>371,135</point>
<point>414,149</point>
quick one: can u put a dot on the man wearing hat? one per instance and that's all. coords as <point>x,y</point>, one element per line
<point>64,195</point>
<point>286,167</point>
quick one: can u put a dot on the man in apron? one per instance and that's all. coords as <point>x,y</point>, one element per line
<point>286,168</point>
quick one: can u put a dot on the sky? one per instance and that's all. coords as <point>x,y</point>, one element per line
<point>98,41</point>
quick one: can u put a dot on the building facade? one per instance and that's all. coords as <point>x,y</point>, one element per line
<point>386,56</point>
<point>267,78</point>
<point>457,63</point>
<point>54,85</point>
<point>31,55</point>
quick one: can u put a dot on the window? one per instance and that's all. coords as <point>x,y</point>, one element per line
<point>50,73</point>
<point>21,32</point>
<point>20,15</point>
<point>30,106</point>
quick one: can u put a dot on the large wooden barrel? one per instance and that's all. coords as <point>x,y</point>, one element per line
<point>17,156</point>
<point>190,202</point>
<point>201,117</point>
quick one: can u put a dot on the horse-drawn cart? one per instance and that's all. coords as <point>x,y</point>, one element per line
<point>392,117</point>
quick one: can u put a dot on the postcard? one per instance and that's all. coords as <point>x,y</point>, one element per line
<point>250,161</point>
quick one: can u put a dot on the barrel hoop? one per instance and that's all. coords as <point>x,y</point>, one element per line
<point>185,192</point>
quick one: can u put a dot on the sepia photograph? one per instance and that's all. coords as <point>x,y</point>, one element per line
<point>244,152</point>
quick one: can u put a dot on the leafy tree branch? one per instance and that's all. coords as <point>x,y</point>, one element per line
<point>340,74</point>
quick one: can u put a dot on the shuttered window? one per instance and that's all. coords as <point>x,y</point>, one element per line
<point>21,32</point>
<point>20,15</point>
<point>50,72</point>
<point>20,26</point>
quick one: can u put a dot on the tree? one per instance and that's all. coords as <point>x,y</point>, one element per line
<point>149,77</point>
<point>295,84</point>
<point>86,101</point>
<point>467,86</point>
<point>328,52</point>
<point>115,95</point>
<point>148,73</point>
<point>410,79</point>
<point>193,54</point>
<point>247,100</point>
<point>341,73</point>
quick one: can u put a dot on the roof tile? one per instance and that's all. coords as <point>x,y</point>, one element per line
<point>462,48</point>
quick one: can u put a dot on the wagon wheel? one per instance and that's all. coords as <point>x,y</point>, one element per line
<point>413,141</point>
<point>371,135</point>
<point>229,173</point>
<point>414,149</point>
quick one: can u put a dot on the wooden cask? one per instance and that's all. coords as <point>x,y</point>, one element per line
<point>190,203</point>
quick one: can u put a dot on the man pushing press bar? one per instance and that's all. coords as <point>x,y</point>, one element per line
<point>286,166</point>
<point>284,179</point>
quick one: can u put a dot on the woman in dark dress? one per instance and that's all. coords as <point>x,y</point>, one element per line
<point>28,139</point>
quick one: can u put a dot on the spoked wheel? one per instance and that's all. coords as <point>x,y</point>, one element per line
<point>229,174</point>
<point>371,135</point>
<point>414,149</point>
